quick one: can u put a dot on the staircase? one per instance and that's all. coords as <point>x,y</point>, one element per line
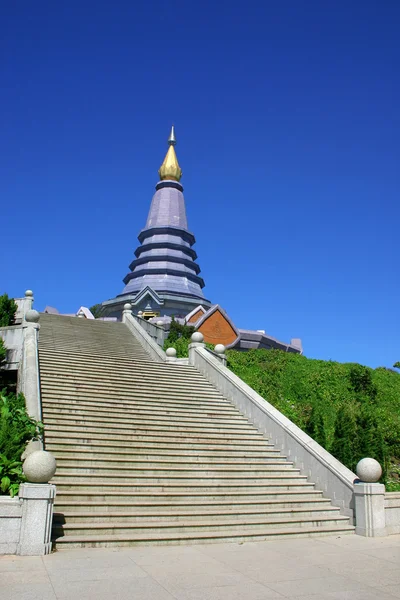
<point>152,453</point>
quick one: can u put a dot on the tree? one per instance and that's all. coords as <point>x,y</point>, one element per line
<point>96,310</point>
<point>8,308</point>
<point>397,365</point>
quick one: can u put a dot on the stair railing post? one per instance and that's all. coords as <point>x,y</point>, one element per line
<point>369,499</point>
<point>127,310</point>
<point>197,341</point>
<point>29,372</point>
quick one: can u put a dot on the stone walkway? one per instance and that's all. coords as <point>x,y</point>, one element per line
<point>342,568</point>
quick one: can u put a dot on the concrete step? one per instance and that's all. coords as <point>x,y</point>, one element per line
<point>139,444</point>
<point>105,449</point>
<point>72,405</point>
<point>127,425</point>
<point>111,495</point>
<point>153,435</point>
<point>129,414</point>
<point>109,376</point>
<point>126,367</point>
<point>209,525</point>
<point>131,389</point>
<point>158,539</point>
<point>186,488</point>
<point>79,461</point>
<point>189,516</point>
<point>200,473</point>
<point>307,502</point>
<point>138,401</point>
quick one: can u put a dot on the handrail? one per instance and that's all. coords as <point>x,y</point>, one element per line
<point>328,474</point>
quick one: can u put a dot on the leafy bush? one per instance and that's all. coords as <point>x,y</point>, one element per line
<point>178,331</point>
<point>3,352</point>
<point>351,410</point>
<point>17,428</point>
<point>8,308</point>
<point>96,310</point>
<point>179,338</point>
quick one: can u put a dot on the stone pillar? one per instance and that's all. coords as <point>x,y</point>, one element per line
<point>220,352</point>
<point>127,310</point>
<point>369,499</point>
<point>29,373</point>
<point>37,516</point>
<point>28,304</point>
<point>197,342</point>
<point>37,504</point>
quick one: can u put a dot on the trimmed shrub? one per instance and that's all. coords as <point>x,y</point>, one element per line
<point>351,410</point>
<point>8,308</point>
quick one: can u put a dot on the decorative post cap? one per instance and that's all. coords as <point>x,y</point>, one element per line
<point>170,352</point>
<point>369,470</point>
<point>39,467</point>
<point>32,316</point>
<point>28,294</point>
<point>128,306</point>
<point>220,349</point>
<point>197,337</point>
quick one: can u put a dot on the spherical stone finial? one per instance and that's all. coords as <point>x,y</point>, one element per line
<point>128,306</point>
<point>197,337</point>
<point>140,313</point>
<point>220,349</point>
<point>369,470</point>
<point>171,352</point>
<point>32,316</point>
<point>160,323</point>
<point>28,294</point>
<point>39,467</point>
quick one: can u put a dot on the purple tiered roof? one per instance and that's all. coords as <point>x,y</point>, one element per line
<point>165,261</point>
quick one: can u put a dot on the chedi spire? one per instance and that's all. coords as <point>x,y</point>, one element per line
<point>170,168</point>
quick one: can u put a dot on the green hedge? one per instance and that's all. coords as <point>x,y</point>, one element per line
<point>351,410</point>
<point>17,428</point>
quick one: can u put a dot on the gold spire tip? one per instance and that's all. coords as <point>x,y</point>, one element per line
<point>170,168</point>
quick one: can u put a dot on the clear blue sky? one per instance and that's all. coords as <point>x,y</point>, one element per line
<point>288,125</point>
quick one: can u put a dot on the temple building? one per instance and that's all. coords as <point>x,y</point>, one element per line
<point>164,279</point>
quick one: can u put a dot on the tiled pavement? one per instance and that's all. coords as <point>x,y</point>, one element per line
<point>334,568</point>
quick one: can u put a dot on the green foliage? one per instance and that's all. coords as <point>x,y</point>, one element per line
<point>351,410</point>
<point>178,331</point>
<point>3,352</point>
<point>397,365</point>
<point>96,310</point>
<point>8,308</point>
<point>16,429</point>
<point>179,338</point>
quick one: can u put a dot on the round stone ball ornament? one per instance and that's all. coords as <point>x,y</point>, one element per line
<point>171,352</point>
<point>369,470</point>
<point>32,316</point>
<point>220,349</point>
<point>197,337</point>
<point>39,466</point>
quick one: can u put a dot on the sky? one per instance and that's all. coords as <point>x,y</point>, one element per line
<point>288,126</point>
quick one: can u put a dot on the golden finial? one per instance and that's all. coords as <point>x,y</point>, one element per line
<point>170,168</point>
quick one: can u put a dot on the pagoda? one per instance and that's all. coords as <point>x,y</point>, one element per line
<point>164,278</point>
